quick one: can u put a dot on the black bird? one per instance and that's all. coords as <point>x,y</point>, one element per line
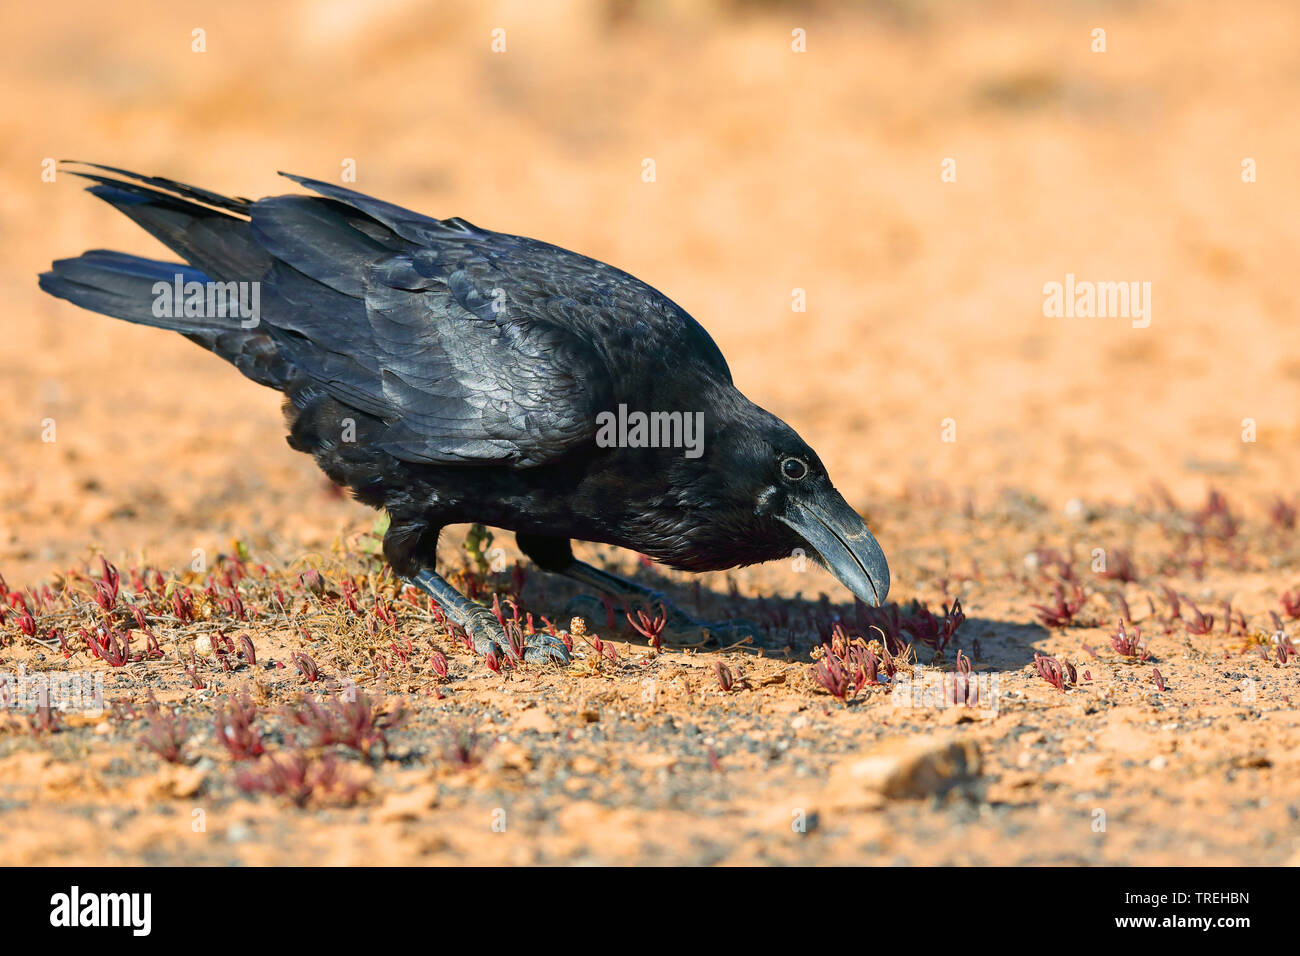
<point>450,374</point>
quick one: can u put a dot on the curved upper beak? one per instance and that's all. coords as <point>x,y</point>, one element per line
<point>840,537</point>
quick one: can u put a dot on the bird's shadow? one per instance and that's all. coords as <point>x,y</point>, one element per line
<point>789,626</point>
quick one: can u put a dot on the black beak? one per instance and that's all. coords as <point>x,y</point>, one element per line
<point>847,548</point>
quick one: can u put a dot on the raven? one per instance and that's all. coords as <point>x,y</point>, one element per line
<point>450,374</point>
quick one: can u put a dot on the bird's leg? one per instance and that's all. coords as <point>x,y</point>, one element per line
<point>608,583</point>
<point>686,628</point>
<point>482,626</point>
<point>555,555</point>
<point>410,544</point>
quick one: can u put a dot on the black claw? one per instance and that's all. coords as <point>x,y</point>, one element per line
<point>489,637</point>
<point>485,632</point>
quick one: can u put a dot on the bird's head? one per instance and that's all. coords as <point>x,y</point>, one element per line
<point>763,466</point>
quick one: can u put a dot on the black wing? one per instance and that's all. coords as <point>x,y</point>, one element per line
<point>471,346</point>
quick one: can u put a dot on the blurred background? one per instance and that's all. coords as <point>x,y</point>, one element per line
<point>775,170</point>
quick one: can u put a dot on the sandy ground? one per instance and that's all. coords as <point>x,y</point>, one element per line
<point>775,171</point>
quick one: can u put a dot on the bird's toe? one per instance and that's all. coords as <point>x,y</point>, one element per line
<point>542,647</point>
<point>485,632</point>
<point>489,637</point>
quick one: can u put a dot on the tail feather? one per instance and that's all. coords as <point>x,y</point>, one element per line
<point>211,232</point>
<point>120,285</point>
<point>127,287</point>
<point>322,324</point>
<point>216,242</point>
<point>231,203</point>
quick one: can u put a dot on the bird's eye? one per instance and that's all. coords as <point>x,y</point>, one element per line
<point>794,468</point>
